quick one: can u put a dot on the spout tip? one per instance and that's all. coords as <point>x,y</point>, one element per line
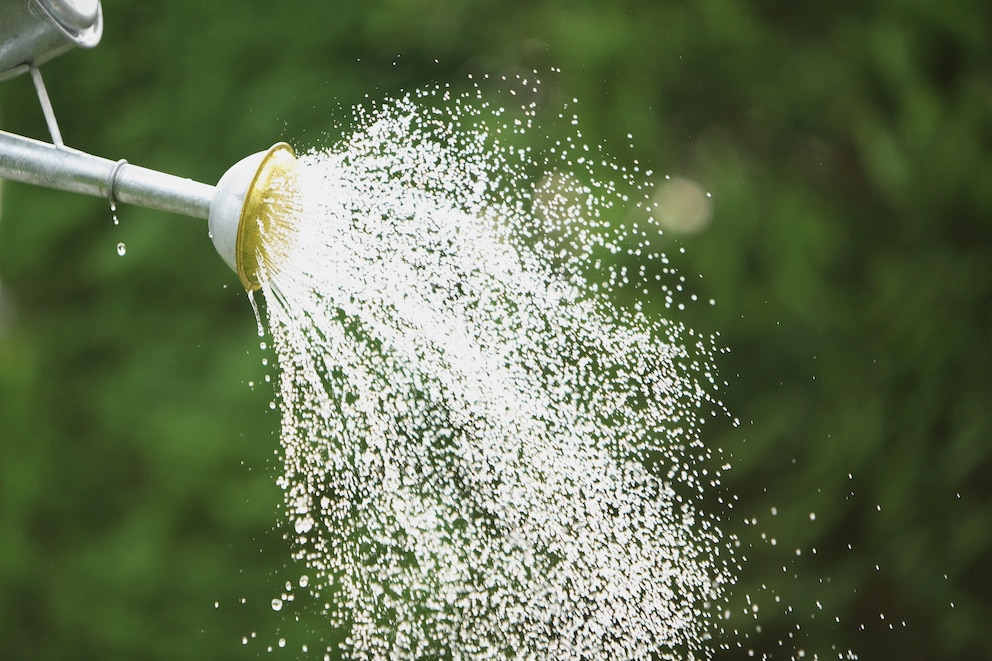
<point>251,213</point>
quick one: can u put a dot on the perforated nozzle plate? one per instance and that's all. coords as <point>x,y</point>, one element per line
<point>265,226</point>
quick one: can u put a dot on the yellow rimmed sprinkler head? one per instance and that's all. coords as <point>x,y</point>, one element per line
<point>251,213</point>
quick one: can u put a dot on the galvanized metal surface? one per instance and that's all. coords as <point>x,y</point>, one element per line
<point>34,31</point>
<point>39,163</point>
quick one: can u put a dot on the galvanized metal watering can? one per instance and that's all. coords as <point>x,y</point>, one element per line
<point>244,209</point>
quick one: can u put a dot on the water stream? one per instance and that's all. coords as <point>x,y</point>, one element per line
<point>490,425</point>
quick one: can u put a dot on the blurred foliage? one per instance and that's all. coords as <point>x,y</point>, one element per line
<point>848,148</point>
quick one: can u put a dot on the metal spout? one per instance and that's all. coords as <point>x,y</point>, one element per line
<point>42,164</point>
<point>247,210</point>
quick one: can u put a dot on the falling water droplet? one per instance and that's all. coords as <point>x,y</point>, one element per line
<point>121,249</point>
<point>277,604</point>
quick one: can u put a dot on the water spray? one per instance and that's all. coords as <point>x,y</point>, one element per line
<point>245,206</point>
<point>480,453</point>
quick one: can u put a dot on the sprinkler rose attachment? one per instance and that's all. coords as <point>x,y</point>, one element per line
<point>247,211</point>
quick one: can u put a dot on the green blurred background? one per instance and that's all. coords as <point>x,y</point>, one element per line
<point>848,149</point>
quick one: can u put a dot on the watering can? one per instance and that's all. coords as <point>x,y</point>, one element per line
<point>246,207</point>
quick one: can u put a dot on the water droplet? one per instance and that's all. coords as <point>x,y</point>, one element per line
<point>277,604</point>
<point>121,249</point>
<point>304,581</point>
